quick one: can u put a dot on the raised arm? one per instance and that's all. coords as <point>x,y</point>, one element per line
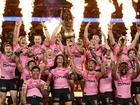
<point>86,40</point>
<point>16,31</point>
<point>135,41</point>
<point>112,59</point>
<point>115,68</point>
<point>61,46</point>
<point>18,64</point>
<point>102,73</point>
<point>42,65</point>
<point>46,33</point>
<point>106,42</point>
<point>137,72</point>
<point>80,48</point>
<point>55,33</point>
<point>16,58</point>
<point>104,37</point>
<point>110,33</point>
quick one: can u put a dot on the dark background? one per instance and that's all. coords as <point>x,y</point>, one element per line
<point>45,8</point>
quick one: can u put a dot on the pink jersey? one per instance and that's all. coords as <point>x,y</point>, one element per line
<point>90,82</point>
<point>73,50</point>
<point>30,86</point>
<point>78,57</point>
<point>16,47</point>
<point>98,53</point>
<point>124,52</point>
<point>23,57</point>
<point>123,86</point>
<point>7,67</point>
<point>25,74</point>
<point>132,67</point>
<point>106,81</point>
<point>89,55</point>
<point>50,63</point>
<point>38,51</point>
<point>78,61</point>
<point>60,76</point>
<point>55,49</point>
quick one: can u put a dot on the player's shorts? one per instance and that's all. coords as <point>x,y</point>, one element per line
<point>8,85</point>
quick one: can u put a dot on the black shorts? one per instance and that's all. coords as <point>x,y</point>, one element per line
<point>135,88</point>
<point>21,81</point>
<point>61,95</point>
<point>8,85</point>
<point>90,100</point>
<point>122,101</point>
<point>106,98</point>
<point>34,100</point>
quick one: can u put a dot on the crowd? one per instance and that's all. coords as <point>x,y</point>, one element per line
<point>107,74</point>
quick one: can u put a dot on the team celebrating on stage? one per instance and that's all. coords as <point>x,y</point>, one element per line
<point>106,74</point>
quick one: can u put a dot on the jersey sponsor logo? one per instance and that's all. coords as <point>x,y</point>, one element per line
<point>91,80</point>
<point>120,84</point>
<point>57,77</point>
<point>8,65</point>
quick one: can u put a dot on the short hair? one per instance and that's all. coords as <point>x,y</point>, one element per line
<point>7,44</point>
<point>92,59</point>
<point>30,62</point>
<point>132,49</point>
<point>89,59</point>
<point>125,63</point>
<point>35,67</point>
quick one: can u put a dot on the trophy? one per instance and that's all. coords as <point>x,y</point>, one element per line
<point>67,21</point>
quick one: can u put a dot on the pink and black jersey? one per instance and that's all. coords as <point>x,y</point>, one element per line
<point>60,75</point>
<point>90,82</point>
<point>8,67</point>
<point>106,81</point>
<point>38,51</point>
<point>30,86</point>
<point>16,47</point>
<point>123,86</point>
<point>23,57</point>
<point>97,53</point>
<point>50,63</point>
<point>124,51</point>
<point>25,74</point>
<point>55,49</point>
<point>78,57</point>
<point>132,68</point>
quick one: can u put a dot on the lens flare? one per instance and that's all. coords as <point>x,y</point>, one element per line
<point>2,8</point>
<point>27,7</point>
<point>77,11</point>
<point>129,15</point>
<point>106,8</point>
